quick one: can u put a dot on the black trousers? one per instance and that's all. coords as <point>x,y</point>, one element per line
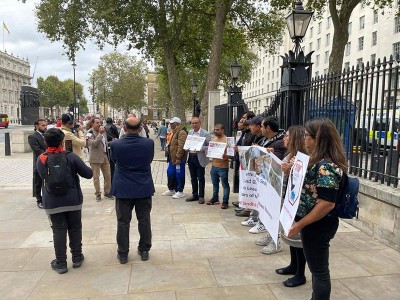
<point>37,186</point>
<point>124,207</point>
<point>67,222</point>
<point>197,176</point>
<point>316,238</point>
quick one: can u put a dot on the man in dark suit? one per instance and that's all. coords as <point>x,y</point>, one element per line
<point>38,146</point>
<point>133,187</point>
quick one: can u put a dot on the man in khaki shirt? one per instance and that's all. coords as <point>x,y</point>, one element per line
<point>77,139</point>
<point>219,170</point>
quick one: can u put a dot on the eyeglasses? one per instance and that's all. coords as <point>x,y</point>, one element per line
<point>309,135</point>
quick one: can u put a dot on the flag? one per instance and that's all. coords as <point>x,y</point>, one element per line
<point>5,27</point>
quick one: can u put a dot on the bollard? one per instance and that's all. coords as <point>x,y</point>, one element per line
<point>7,150</point>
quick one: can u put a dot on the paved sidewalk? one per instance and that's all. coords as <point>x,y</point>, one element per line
<point>199,252</point>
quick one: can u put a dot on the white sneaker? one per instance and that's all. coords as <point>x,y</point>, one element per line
<point>258,228</point>
<point>249,222</point>
<point>271,248</point>
<point>178,195</point>
<point>264,240</point>
<point>168,193</point>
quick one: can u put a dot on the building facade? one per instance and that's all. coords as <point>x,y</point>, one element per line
<point>14,72</point>
<point>372,36</point>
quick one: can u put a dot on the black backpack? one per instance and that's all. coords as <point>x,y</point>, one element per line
<point>58,178</point>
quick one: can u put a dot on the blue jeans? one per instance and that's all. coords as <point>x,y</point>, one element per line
<point>217,174</point>
<point>178,175</point>
<point>162,141</point>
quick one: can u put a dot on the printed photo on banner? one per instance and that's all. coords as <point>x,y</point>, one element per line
<point>216,150</point>
<point>293,191</point>
<point>242,150</point>
<point>230,145</point>
<point>194,143</point>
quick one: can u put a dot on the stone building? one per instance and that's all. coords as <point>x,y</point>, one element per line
<point>14,72</point>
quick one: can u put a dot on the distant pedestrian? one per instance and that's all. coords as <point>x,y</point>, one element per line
<point>162,134</point>
<point>112,135</point>
<point>98,158</point>
<point>197,162</point>
<point>64,210</point>
<point>133,187</point>
<point>38,146</point>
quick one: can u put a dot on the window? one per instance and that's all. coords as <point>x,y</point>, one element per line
<point>347,49</point>
<point>375,16</point>
<point>361,43</point>
<point>347,65</point>
<point>325,71</point>
<point>311,48</point>
<point>396,50</point>
<point>328,39</point>
<point>311,32</point>
<point>317,61</point>
<point>328,23</point>
<point>349,28</point>
<point>319,27</point>
<point>326,56</point>
<point>318,44</point>
<point>359,62</point>
<point>373,58</point>
<point>362,22</point>
<point>397,24</point>
<point>316,74</point>
<point>272,74</point>
<point>374,38</point>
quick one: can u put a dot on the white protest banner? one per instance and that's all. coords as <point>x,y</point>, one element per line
<point>293,191</point>
<point>269,188</point>
<point>238,135</point>
<point>243,159</point>
<point>248,189</point>
<point>230,145</point>
<point>194,142</point>
<point>216,150</point>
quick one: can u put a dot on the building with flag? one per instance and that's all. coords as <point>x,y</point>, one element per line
<point>14,72</point>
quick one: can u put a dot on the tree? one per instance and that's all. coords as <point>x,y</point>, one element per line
<point>52,93</point>
<point>120,81</point>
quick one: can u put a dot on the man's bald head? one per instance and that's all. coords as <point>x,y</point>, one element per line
<point>132,125</point>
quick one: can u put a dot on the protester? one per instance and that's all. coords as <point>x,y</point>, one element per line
<point>64,210</point>
<point>98,158</point>
<point>112,134</point>
<point>197,162</point>
<point>38,146</point>
<point>219,170</point>
<point>294,142</point>
<point>133,187</point>
<point>171,180</point>
<point>176,165</point>
<point>162,134</point>
<point>317,221</point>
<point>74,139</point>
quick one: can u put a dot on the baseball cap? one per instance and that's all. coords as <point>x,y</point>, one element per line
<point>175,120</point>
<point>256,120</point>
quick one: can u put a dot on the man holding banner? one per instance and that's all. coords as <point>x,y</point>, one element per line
<point>197,161</point>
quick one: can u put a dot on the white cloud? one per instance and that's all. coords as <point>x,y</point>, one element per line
<point>25,41</point>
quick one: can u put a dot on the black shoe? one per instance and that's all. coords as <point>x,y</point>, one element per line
<point>143,254</point>
<point>238,209</point>
<point>235,203</point>
<point>285,271</point>
<point>98,198</point>
<point>40,205</point>
<point>294,281</point>
<point>60,268</point>
<point>192,198</point>
<point>122,259</point>
<point>243,213</point>
<point>78,262</point>
<point>109,196</point>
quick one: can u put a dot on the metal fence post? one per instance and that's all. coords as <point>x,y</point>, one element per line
<point>7,145</point>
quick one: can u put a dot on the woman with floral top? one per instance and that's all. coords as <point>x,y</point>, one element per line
<point>317,222</point>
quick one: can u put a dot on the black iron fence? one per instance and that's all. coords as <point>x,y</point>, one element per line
<point>363,102</point>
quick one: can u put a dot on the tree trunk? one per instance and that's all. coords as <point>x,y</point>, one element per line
<point>173,82</point>
<point>222,9</point>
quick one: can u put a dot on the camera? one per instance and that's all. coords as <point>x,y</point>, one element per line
<point>76,125</point>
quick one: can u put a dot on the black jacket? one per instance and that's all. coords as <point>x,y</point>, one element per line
<point>38,146</point>
<point>277,144</point>
<point>73,199</point>
<point>112,132</point>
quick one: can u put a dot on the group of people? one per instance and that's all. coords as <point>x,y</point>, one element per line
<point>315,223</point>
<point>131,184</point>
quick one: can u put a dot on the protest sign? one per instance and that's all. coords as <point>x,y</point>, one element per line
<point>194,143</point>
<point>293,191</point>
<point>230,145</point>
<point>216,150</point>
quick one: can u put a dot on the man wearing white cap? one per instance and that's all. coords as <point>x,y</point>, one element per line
<point>178,156</point>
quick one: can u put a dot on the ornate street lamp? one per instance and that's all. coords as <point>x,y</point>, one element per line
<point>196,106</point>
<point>73,66</point>
<point>78,101</point>
<point>297,23</point>
<point>235,71</point>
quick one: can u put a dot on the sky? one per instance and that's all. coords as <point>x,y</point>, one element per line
<point>25,41</point>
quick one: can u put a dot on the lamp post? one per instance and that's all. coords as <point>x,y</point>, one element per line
<point>196,106</point>
<point>78,101</point>
<point>295,71</point>
<point>234,96</point>
<point>73,66</point>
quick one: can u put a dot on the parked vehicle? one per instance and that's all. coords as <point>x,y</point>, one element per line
<point>4,120</point>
